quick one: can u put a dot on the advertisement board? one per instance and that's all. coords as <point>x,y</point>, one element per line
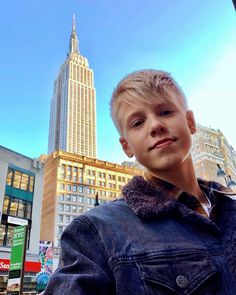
<point>16,270</point>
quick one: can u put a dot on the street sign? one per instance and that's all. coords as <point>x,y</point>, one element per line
<point>16,271</point>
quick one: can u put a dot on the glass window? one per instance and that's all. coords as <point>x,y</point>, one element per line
<point>17,179</point>
<point>2,234</point>
<point>61,207</point>
<point>74,209</point>
<point>68,198</point>
<point>60,218</point>
<point>67,208</point>
<point>6,205</point>
<point>67,218</point>
<point>21,208</point>
<point>13,206</point>
<point>74,198</point>
<point>80,209</point>
<point>9,177</point>
<point>29,210</point>
<point>80,189</point>
<point>9,236</point>
<point>24,182</point>
<point>80,199</point>
<point>61,197</point>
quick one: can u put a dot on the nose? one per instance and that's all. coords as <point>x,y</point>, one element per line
<point>157,126</point>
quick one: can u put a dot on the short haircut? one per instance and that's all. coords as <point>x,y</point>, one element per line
<point>145,86</point>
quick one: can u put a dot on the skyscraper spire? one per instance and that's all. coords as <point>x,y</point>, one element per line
<point>74,48</point>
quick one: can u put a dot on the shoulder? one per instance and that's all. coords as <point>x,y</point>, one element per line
<point>110,213</point>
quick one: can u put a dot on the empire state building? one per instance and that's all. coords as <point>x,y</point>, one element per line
<point>72,125</point>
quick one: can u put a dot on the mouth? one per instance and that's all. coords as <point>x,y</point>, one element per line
<point>163,142</point>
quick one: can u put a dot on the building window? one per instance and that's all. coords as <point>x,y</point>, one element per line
<point>80,199</point>
<point>74,198</point>
<point>60,207</point>
<point>20,180</point>
<point>67,218</point>
<point>67,208</point>
<point>17,207</point>
<point>60,218</point>
<point>74,209</point>
<point>61,197</point>
<point>80,209</point>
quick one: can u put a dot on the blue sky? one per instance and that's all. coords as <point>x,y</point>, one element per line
<point>194,40</point>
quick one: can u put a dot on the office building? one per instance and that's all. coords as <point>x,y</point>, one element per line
<point>72,125</point>
<point>21,189</point>
<point>211,148</point>
<point>71,185</point>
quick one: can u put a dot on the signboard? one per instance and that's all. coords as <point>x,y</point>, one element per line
<point>16,271</point>
<point>30,266</point>
<point>15,220</point>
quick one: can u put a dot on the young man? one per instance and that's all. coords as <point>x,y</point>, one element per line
<point>170,233</point>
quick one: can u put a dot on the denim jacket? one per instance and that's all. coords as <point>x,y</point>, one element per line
<point>150,242</point>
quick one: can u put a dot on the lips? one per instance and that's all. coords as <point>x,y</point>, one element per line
<point>163,142</point>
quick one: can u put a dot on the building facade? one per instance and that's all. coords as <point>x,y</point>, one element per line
<point>21,189</point>
<point>72,126</point>
<point>71,185</point>
<point>210,147</point>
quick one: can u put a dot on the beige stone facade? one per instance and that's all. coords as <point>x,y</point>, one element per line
<point>210,147</point>
<point>71,183</point>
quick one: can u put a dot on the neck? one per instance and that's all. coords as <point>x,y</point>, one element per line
<point>183,177</point>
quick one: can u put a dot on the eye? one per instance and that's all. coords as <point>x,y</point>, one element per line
<point>166,112</point>
<point>136,123</point>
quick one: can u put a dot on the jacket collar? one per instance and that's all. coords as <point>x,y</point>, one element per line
<point>156,197</point>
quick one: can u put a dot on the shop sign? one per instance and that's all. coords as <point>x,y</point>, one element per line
<point>30,266</point>
<point>18,221</point>
<point>16,270</point>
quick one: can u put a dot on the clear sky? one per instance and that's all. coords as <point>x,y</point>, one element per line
<point>194,40</point>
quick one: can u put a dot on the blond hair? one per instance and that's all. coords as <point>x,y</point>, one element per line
<point>145,86</point>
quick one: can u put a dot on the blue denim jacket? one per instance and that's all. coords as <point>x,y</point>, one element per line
<point>150,243</point>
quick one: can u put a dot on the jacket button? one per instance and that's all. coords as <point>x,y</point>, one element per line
<point>182,281</point>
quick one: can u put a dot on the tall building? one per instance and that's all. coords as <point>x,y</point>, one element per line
<point>71,185</point>
<point>21,190</point>
<point>210,147</point>
<point>72,125</point>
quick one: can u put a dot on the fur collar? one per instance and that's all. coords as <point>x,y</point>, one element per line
<point>156,197</point>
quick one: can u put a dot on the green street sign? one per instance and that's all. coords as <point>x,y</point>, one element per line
<point>16,271</point>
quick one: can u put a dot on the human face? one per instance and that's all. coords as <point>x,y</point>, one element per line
<point>158,134</point>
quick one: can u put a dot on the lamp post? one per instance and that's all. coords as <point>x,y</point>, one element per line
<point>96,203</point>
<point>228,180</point>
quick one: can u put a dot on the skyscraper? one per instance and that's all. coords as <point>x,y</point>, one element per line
<point>73,106</point>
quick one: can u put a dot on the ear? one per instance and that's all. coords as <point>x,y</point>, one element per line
<point>126,147</point>
<point>191,122</point>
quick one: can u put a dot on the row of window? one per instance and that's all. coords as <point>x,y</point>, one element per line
<point>20,180</point>
<point>69,172</point>
<point>17,207</point>
<point>81,189</point>
<point>71,198</point>
<point>70,208</point>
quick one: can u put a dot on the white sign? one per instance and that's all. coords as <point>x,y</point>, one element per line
<point>16,220</point>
